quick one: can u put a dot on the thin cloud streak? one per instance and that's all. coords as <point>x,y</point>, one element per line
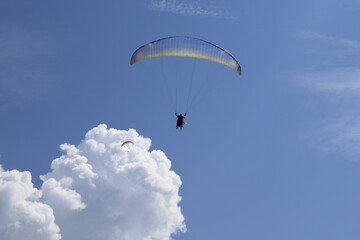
<point>337,135</point>
<point>332,70</point>
<point>354,44</point>
<point>25,73</point>
<point>341,80</point>
<point>345,134</point>
<point>186,8</point>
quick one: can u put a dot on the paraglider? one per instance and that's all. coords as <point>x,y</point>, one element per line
<point>126,142</point>
<point>186,47</point>
<point>126,145</point>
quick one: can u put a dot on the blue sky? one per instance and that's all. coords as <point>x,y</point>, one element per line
<point>272,154</point>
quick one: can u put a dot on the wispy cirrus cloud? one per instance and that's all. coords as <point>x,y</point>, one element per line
<point>189,8</point>
<point>334,67</point>
<point>24,64</point>
<point>349,43</point>
<point>338,80</point>
<point>334,76</point>
<point>344,134</point>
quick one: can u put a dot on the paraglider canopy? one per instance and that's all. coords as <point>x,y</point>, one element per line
<point>186,47</point>
<point>126,142</point>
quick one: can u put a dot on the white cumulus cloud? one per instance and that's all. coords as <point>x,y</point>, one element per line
<point>95,190</point>
<point>23,216</point>
<point>101,190</point>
